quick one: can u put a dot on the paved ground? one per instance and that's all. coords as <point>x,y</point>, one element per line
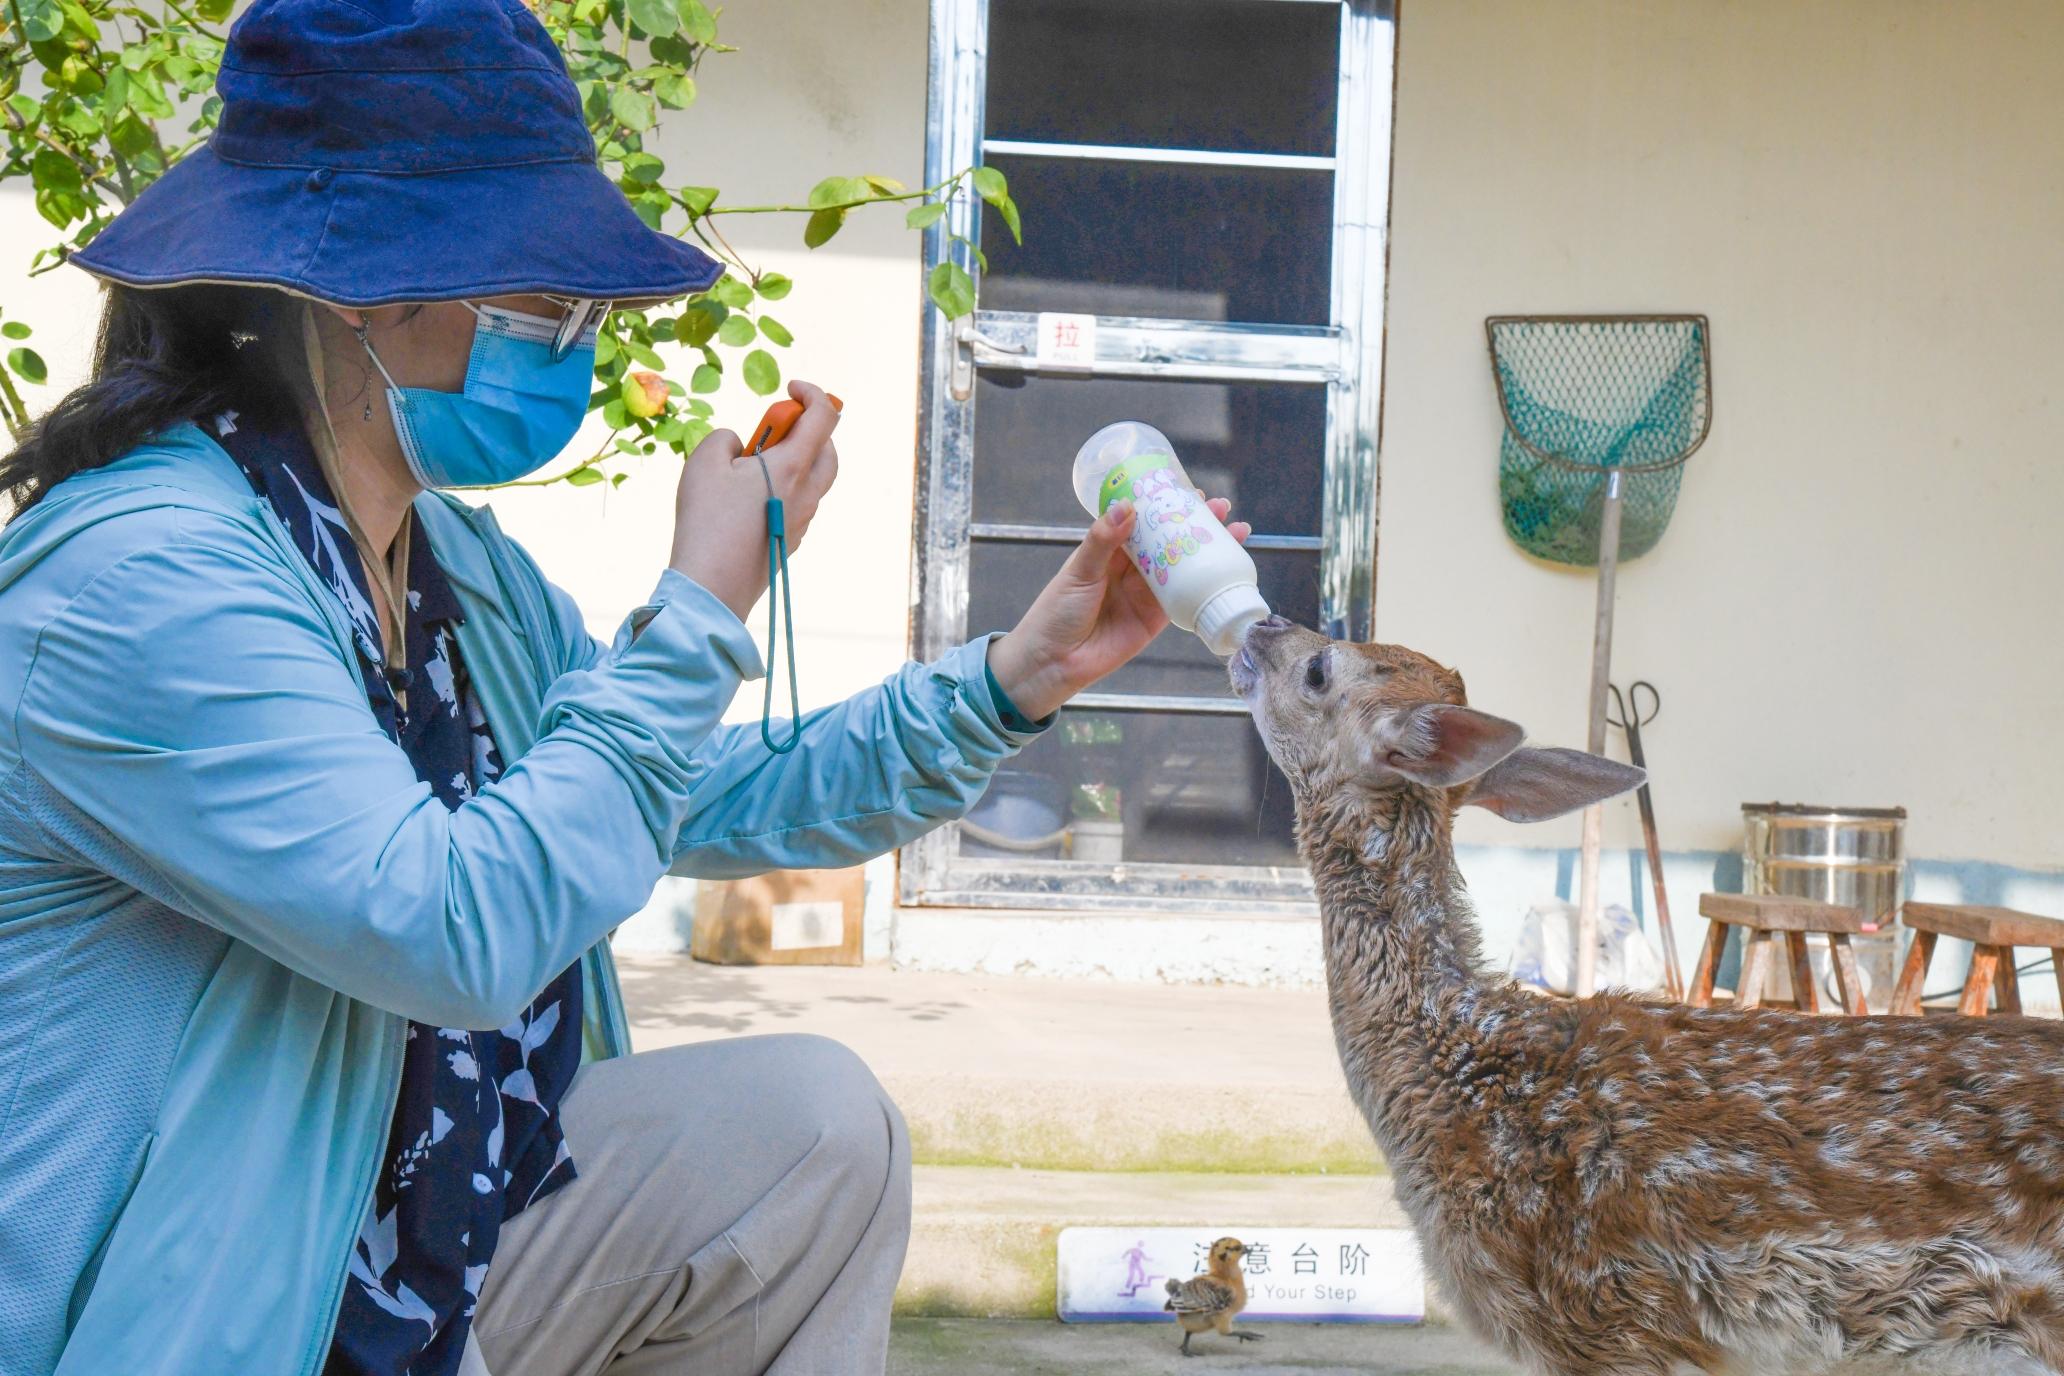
<point>1041,1073</point>
<point>906,1021</point>
<point>1038,1104</point>
<point>962,1347</point>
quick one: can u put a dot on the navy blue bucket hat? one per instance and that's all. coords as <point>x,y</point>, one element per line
<point>380,151</point>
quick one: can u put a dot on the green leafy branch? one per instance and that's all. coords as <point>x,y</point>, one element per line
<point>99,97</point>
<point>633,60</point>
<point>22,362</point>
<point>732,314</point>
<point>90,97</point>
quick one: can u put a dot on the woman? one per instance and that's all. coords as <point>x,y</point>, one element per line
<point>310,776</point>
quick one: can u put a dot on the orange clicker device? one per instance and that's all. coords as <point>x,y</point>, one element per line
<point>779,420</point>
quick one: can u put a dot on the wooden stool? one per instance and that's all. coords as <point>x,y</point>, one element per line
<point>1995,932</point>
<point>1761,919</point>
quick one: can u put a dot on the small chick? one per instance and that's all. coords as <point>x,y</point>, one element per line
<point>1211,1300</point>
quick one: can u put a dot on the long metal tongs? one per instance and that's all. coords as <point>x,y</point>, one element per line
<point>1631,723</point>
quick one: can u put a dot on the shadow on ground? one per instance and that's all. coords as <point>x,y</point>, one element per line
<point>736,1001</point>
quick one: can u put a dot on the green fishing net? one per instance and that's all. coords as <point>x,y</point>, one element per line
<point>1584,396</point>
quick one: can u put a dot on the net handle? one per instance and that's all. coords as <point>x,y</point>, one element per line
<point>1698,322</point>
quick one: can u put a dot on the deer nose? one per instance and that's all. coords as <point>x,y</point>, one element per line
<point>1253,653</point>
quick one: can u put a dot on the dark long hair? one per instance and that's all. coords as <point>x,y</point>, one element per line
<point>165,355</point>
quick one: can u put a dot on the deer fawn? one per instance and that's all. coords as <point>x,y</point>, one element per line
<point>1619,1188</point>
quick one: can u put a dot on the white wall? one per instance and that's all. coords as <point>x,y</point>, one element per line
<point>1856,601</point>
<point>817,89</point>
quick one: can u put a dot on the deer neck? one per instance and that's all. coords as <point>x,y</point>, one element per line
<point>1392,903</point>
<point>1400,939</point>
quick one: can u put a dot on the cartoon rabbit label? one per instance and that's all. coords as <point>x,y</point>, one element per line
<point>1168,530</point>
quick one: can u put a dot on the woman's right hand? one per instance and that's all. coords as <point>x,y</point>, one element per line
<point>720,508</point>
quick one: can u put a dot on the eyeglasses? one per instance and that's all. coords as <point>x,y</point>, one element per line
<point>582,315</point>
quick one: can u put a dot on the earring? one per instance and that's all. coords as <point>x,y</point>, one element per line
<point>360,331</point>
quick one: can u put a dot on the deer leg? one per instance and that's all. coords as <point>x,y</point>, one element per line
<point>2006,982</point>
<point>1906,995</point>
<point>1804,996</point>
<point>1848,979</point>
<point>1701,993</point>
<point>1755,970</point>
<point>1978,985</point>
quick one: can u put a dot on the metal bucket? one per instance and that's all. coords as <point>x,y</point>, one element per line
<point>1855,856</point>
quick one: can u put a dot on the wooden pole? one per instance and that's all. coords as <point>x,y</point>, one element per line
<point>1601,678</point>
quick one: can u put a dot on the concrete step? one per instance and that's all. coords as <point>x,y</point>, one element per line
<point>1049,1074</point>
<point>1039,1104</point>
<point>957,1347</point>
<point>982,1243</point>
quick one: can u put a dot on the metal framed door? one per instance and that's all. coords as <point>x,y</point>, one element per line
<point>1230,293</point>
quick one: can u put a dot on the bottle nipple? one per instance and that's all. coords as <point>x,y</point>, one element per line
<point>1223,620</point>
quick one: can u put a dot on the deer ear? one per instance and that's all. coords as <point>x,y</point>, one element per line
<point>1534,785</point>
<point>1441,745</point>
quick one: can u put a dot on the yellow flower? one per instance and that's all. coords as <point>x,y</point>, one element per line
<point>644,395</point>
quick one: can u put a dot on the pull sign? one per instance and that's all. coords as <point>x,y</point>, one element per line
<point>1067,341</point>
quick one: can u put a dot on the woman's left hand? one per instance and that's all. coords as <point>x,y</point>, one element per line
<point>1094,616</point>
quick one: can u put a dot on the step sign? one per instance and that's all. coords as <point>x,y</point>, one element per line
<point>1302,1275</point>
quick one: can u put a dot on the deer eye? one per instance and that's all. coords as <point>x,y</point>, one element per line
<point>1315,672</point>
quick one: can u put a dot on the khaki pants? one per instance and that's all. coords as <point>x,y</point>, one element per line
<point>742,1206</point>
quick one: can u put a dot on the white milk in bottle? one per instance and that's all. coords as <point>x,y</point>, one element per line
<point>1204,580</point>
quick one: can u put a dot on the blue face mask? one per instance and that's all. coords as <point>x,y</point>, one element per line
<point>518,410</point>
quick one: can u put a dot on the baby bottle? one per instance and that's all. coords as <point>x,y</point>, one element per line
<point>1204,580</point>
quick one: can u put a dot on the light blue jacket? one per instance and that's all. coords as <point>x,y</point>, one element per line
<point>223,891</point>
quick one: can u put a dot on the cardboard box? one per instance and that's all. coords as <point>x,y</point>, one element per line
<point>789,917</point>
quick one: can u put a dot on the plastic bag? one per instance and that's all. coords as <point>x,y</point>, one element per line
<point>1546,954</point>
